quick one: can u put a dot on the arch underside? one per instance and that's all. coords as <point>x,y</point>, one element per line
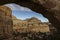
<point>51,14</point>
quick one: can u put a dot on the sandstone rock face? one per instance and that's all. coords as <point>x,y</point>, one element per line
<point>48,8</point>
<point>45,7</point>
<point>41,6</point>
<point>31,24</point>
<point>6,24</point>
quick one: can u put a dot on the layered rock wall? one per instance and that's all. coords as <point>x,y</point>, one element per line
<point>49,8</point>
<point>6,23</point>
<point>32,24</point>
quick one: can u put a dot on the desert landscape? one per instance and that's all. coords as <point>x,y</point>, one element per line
<point>12,28</point>
<point>30,24</point>
<point>32,29</point>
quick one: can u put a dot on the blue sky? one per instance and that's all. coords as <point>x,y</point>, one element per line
<point>23,12</point>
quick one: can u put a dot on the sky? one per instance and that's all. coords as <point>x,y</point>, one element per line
<point>24,13</point>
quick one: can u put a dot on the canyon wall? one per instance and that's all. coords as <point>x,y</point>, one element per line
<point>32,24</point>
<point>6,23</point>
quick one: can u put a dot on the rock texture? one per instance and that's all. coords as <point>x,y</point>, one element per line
<point>49,8</point>
<point>6,24</point>
<point>31,24</point>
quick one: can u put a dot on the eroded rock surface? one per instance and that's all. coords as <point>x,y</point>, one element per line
<point>49,8</point>
<point>31,24</point>
<point>6,24</point>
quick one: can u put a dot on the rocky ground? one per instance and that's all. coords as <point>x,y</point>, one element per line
<point>35,36</point>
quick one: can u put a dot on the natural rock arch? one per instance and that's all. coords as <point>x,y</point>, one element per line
<point>49,8</point>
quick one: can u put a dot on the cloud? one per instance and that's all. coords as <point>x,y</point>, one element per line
<point>17,7</point>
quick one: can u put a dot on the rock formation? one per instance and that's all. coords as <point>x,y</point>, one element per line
<point>48,8</point>
<point>6,24</point>
<point>31,24</point>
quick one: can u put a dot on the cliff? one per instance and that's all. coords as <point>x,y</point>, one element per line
<point>31,24</point>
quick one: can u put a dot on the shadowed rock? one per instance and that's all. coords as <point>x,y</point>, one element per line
<point>49,8</point>
<point>6,24</point>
